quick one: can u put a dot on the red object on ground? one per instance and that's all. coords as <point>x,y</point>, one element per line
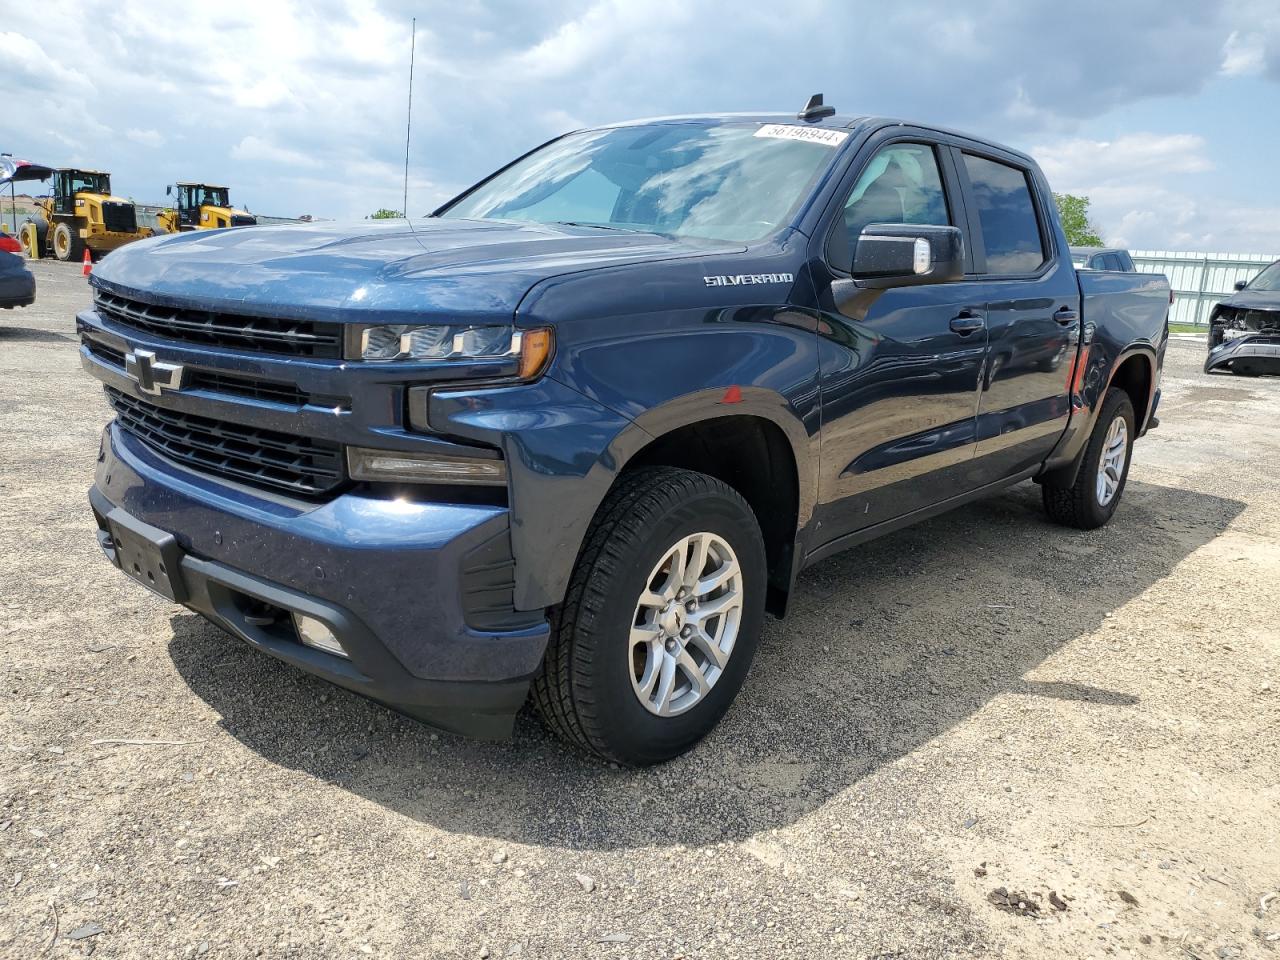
<point>88,263</point>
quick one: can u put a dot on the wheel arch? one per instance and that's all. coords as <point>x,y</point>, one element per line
<point>749,438</point>
<point>1135,367</point>
<point>1135,372</point>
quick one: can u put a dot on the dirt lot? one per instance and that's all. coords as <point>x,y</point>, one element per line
<point>981,703</point>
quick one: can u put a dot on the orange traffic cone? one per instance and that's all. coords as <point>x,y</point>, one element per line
<point>88,263</point>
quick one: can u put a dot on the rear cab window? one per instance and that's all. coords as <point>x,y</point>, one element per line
<point>1006,209</point>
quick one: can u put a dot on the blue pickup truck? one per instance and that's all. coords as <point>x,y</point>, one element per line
<point>570,437</point>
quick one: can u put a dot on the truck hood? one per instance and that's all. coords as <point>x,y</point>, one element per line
<point>384,271</point>
<point>1253,300</point>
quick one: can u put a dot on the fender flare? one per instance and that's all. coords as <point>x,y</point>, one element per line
<point>710,404</point>
<point>1147,352</point>
<point>1066,474</point>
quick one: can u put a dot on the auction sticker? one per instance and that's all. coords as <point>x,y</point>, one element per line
<point>785,131</point>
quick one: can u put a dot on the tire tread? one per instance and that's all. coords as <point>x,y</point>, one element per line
<point>1075,506</point>
<point>561,690</point>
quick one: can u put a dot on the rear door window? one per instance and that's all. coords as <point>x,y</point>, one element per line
<point>1007,216</point>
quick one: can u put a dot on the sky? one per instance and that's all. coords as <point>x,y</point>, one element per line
<point>1163,112</point>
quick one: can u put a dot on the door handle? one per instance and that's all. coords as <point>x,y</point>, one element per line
<point>967,322</point>
<point>1066,315</point>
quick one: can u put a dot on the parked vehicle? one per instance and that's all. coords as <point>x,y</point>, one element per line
<point>580,429</point>
<point>1102,258</point>
<point>9,244</point>
<point>1244,329</point>
<point>201,206</point>
<point>80,214</point>
<point>17,283</point>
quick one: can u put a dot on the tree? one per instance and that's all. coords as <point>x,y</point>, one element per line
<point>385,214</point>
<point>1074,211</point>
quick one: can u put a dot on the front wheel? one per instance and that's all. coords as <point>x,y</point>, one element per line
<point>67,245</point>
<point>661,620</point>
<point>1091,500</point>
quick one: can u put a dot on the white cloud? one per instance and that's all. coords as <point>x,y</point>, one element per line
<point>1244,54</point>
<point>256,148</point>
<point>1075,163</point>
<point>148,138</point>
<point>1154,191</point>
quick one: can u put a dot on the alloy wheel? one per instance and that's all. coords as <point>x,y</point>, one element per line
<point>685,624</point>
<point>1111,465</point>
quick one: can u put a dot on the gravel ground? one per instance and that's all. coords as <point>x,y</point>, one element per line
<point>961,730</point>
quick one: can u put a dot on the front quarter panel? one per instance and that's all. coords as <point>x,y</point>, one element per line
<point>668,353</point>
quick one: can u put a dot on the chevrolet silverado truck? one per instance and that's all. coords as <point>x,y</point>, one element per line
<point>571,436</point>
<point>1244,329</point>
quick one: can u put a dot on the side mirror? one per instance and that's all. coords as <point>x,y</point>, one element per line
<point>907,255</point>
<point>1241,284</point>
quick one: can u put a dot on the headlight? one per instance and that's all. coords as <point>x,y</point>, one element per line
<point>397,341</point>
<point>527,351</point>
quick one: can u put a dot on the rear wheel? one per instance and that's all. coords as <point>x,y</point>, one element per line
<point>1092,499</point>
<point>67,245</point>
<point>661,620</point>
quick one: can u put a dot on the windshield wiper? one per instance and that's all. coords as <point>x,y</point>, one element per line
<point>598,226</point>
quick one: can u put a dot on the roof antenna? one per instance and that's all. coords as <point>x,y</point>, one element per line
<point>814,110</point>
<point>413,43</point>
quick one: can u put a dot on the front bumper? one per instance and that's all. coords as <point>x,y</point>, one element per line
<point>383,575</point>
<point>1260,353</point>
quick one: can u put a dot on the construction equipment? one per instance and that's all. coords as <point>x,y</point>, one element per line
<point>80,214</point>
<point>201,206</point>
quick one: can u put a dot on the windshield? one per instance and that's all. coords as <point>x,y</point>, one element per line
<point>733,181</point>
<point>1268,279</point>
<point>212,196</point>
<point>81,182</point>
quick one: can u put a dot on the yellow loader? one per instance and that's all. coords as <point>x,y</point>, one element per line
<point>201,206</point>
<point>80,214</point>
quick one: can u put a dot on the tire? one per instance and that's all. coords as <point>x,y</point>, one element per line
<point>589,689</point>
<point>32,236</point>
<point>67,245</point>
<point>1081,504</point>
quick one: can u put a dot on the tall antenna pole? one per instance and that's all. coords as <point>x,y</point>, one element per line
<point>413,42</point>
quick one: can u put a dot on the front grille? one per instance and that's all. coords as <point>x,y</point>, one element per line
<point>299,338</point>
<point>106,354</point>
<point>120,217</point>
<point>261,458</point>
<point>228,383</point>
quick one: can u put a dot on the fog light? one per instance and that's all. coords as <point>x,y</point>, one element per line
<point>315,634</point>
<point>366,464</point>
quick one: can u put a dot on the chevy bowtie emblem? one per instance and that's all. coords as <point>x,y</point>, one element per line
<point>151,375</point>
